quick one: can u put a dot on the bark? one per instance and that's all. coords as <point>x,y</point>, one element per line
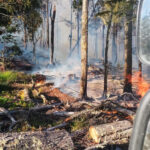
<point>42,140</point>
<point>103,44</point>
<point>71,27</point>
<point>140,69</point>
<point>111,131</point>
<point>34,51</point>
<point>52,34</point>
<point>106,57</point>
<point>47,10</point>
<point>128,50</point>
<point>84,50</point>
<point>25,36</point>
<point>78,31</point>
<point>114,45</point>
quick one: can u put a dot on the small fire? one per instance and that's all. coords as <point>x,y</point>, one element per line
<point>141,84</point>
<point>110,112</point>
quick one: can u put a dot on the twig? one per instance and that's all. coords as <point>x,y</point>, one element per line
<point>63,113</point>
<point>58,126</point>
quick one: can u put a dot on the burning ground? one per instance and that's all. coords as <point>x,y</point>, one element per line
<point>50,103</point>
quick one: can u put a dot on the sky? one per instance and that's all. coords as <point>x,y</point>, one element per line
<point>145,8</point>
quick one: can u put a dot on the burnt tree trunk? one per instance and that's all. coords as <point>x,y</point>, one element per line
<point>43,140</point>
<point>52,34</point>
<point>114,44</point>
<point>128,50</point>
<point>25,36</point>
<point>47,11</point>
<point>78,31</point>
<point>140,69</point>
<point>71,26</point>
<point>106,57</point>
<point>103,44</point>
<point>34,51</point>
<point>84,50</point>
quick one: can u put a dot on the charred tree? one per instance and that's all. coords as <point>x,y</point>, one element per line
<point>25,36</point>
<point>140,68</point>
<point>114,44</point>
<point>103,44</point>
<point>106,57</point>
<point>70,36</point>
<point>47,11</point>
<point>128,49</point>
<point>78,31</point>
<point>53,16</point>
<point>84,50</point>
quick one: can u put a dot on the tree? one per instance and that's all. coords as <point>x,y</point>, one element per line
<point>84,50</point>
<point>52,16</point>
<point>110,12</point>
<point>128,47</point>
<point>47,11</point>
<point>34,22</point>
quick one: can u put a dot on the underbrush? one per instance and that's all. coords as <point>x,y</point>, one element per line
<point>8,94</point>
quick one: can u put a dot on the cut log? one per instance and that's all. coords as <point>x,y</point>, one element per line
<point>42,140</point>
<point>111,131</point>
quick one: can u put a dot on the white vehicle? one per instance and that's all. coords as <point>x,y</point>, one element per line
<point>140,139</point>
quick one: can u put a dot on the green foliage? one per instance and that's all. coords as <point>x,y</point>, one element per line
<point>109,8</point>
<point>13,51</point>
<point>12,13</point>
<point>79,123</point>
<point>10,103</point>
<point>117,8</point>
<point>7,77</point>
<point>33,22</point>
<point>77,4</point>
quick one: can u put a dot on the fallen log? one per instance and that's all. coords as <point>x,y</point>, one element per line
<point>111,131</point>
<point>36,108</point>
<point>42,140</point>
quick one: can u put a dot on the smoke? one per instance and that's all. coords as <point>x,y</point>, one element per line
<point>61,74</point>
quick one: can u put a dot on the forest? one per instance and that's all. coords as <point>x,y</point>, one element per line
<point>70,77</point>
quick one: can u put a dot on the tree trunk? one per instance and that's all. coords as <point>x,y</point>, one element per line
<point>128,51</point>
<point>52,34</point>
<point>84,50</point>
<point>42,140</point>
<point>103,44</point>
<point>140,69</point>
<point>78,31</point>
<point>114,45</point>
<point>25,36</point>
<point>71,28</point>
<point>106,57</point>
<point>34,51</point>
<point>111,131</point>
<point>47,10</point>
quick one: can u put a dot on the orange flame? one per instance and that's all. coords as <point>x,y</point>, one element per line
<point>141,84</point>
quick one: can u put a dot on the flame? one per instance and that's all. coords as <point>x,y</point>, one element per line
<point>110,112</point>
<point>141,84</point>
